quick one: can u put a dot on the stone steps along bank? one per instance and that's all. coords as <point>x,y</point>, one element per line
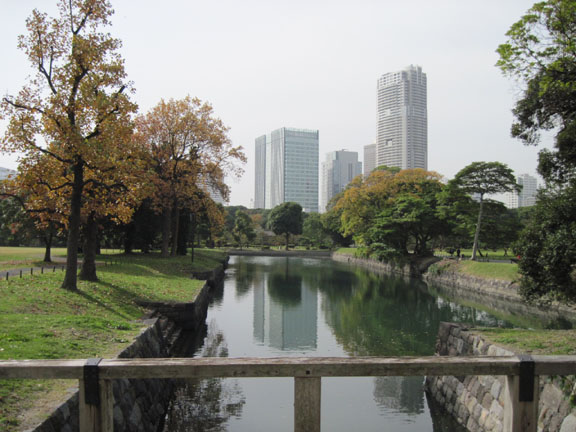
<point>140,405</point>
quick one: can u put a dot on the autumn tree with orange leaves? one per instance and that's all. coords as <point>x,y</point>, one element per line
<point>393,211</point>
<point>75,110</point>
<point>189,153</point>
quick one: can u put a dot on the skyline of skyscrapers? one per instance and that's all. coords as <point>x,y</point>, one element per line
<point>402,119</point>
<point>287,159</point>
<point>287,168</point>
<point>338,169</point>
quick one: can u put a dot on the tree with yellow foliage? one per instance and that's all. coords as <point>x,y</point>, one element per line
<point>189,155</point>
<point>76,109</point>
<point>393,211</point>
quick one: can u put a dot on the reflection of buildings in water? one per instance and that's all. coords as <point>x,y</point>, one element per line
<point>285,325</point>
<point>205,404</point>
<point>403,394</point>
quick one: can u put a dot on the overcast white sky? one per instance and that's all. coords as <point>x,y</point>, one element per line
<point>266,64</point>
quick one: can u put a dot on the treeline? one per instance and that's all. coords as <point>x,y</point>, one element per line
<point>89,159</point>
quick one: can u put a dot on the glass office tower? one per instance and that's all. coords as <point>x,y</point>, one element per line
<point>287,169</point>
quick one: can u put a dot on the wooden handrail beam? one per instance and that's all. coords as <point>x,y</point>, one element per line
<point>287,367</point>
<point>521,413</point>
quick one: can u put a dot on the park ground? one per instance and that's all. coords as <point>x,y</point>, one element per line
<point>39,320</point>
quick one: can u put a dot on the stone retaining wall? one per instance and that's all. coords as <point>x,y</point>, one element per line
<point>496,294</point>
<point>405,270</point>
<point>476,402</point>
<point>140,405</point>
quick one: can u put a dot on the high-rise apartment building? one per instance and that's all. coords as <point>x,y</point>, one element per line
<point>402,130</point>
<point>369,158</point>
<point>287,169</point>
<point>527,196</point>
<point>338,169</point>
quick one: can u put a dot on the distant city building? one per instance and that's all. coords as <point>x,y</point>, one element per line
<point>402,130</point>
<point>339,168</point>
<point>287,169</point>
<point>6,173</point>
<point>527,196</point>
<point>369,158</point>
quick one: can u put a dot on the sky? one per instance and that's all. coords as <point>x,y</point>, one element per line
<point>313,64</point>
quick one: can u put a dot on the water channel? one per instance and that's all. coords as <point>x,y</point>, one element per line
<point>272,307</point>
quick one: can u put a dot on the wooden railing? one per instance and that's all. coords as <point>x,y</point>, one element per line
<point>96,376</point>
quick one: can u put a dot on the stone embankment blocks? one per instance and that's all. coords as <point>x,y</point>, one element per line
<point>477,402</point>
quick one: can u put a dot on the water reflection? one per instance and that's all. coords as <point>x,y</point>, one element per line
<point>402,394</point>
<point>206,405</point>
<point>308,307</point>
<point>285,310</point>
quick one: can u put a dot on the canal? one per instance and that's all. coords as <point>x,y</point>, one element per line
<point>272,307</point>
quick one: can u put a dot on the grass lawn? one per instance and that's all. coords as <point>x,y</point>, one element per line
<point>22,257</point>
<point>347,251</point>
<point>488,270</point>
<point>547,342</point>
<point>490,254</point>
<point>39,320</point>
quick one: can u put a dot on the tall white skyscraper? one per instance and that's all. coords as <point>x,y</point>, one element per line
<point>339,168</point>
<point>369,158</point>
<point>287,169</point>
<point>527,196</point>
<point>402,130</point>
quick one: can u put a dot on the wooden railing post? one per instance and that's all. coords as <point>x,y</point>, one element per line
<point>520,415</point>
<point>307,396</point>
<point>96,400</point>
<point>97,418</point>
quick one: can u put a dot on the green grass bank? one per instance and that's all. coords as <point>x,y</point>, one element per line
<point>39,320</point>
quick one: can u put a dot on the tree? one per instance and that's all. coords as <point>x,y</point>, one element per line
<point>313,230</point>
<point>482,178</point>
<point>540,52</point>
<point>286,219</point>
<point>392,211</point>
<point>189,153</point>
<point>547,247</point>
<point>77,103</point>
<point>243,229</point>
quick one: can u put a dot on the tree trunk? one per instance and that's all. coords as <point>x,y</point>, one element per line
<point>183,231</point>
<point>193,233</point>
<point>88,272</point>
<point>175,229</point>
<point>477,233</point>
<point>166,219</point>
<point>48,244</point>
<point>71,275</point>
<point>129,238</point>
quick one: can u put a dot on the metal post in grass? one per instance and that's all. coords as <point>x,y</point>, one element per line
<point>41,270</point>
<point>20,274</point>
<point>7,275</point>
<point>32,271</point>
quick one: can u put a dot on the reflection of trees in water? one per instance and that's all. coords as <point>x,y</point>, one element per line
<point>245,274</point>
<point>205,405</point>
<point>285,289</point>
<point>403,394</point>
<point>386,315</point>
